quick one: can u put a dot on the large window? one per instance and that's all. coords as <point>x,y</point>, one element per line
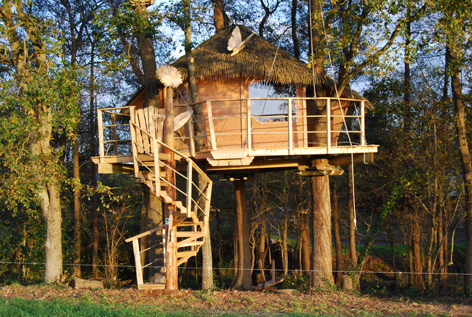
<point>271,110</point>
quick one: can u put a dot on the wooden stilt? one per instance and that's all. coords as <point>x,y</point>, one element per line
<point>171,250</point>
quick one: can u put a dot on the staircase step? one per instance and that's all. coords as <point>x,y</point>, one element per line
<point>167,199</point>
<point>151,286</point>
<point>189,244</point>
<point>184,254</point>
<point>188,234</point>
<point>189,223</point>
<point>181,207</point>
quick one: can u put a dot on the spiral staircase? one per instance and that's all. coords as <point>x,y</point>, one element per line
<point>187,192</point>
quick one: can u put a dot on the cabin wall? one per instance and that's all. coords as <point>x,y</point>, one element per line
<point>230,118</point>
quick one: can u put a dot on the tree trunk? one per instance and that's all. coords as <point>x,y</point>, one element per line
<point>284,241</point>
<point>459,106</point>
<point>77,214</point>
<point>305,240</point>
<point>244,280</point>
<point>418,265</point>
<point>352,226</point>
<point>391,240</point>
<point>322,265</point>
<point>95,237</point>
<point>262,236</point>
<point>296,44</point>
<point>207,257</point>
<point>152,217</point>
<point>220,18</point>
<point>51,206</point>
<point>337,237</point>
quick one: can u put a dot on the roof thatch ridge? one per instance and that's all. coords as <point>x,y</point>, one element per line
<point>214,61</point>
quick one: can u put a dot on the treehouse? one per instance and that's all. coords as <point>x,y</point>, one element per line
<point>257,111</point>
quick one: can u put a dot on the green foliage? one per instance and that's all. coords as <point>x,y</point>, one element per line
<point>298,281</point>
<point>115,30</point>
<point>47,104</point>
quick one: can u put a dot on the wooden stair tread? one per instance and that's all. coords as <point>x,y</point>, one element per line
<point>151,286</point>
<point>188,234</point>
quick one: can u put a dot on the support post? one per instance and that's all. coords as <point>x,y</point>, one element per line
<point>171,250</point>
<point>244,280</point>
<point>207,261</point>
<point>362,140</point>
<point>137,260</point>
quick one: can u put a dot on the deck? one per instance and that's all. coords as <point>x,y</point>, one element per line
<point>231,136</point>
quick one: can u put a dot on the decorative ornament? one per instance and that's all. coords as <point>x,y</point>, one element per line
<point>235,42</point>
<point>235,39</point>
<point>169,76</point>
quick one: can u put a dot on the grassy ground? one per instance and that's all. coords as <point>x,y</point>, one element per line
<point>57,300</point>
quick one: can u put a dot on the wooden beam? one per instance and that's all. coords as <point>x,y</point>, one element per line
<point>105,168</point>
<point>144,234</point>
<point>363,158</point>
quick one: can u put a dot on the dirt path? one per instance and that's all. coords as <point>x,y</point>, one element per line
<point>267,303</point>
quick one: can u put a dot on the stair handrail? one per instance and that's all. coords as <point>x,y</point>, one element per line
<point>156,144</point>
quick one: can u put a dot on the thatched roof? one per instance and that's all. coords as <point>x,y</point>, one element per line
<point>214,61</point>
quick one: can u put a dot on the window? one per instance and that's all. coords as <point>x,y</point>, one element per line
<point>267,110</point>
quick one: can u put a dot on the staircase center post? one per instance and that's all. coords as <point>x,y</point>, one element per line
<point>171,249</point>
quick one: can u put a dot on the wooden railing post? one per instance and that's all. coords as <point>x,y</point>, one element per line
<point>328,122</point>
<point>210,123</point>
<point>290,127</point>
<point>362,141</point>
<point>132,128</point>
<point>114,134</point>
<point>189,186</point>
<point>191,136</point>
<point>101,144</point>
<point>157,168</point>
<point>137,259</point>
<point>249,126</point>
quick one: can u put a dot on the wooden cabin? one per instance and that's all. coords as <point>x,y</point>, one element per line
<point>257,113</point>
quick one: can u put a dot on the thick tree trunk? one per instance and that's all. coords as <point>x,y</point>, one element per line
<point>220,18</point>
<point>152,217</point>
<point>207,257</point>
<point>244,280</point>
<point>322,265</point>
<point>51,206</point>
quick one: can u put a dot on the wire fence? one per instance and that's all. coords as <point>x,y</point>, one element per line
<point>290,271</point>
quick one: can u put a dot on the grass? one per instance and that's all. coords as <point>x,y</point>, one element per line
<point>57,307</point>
